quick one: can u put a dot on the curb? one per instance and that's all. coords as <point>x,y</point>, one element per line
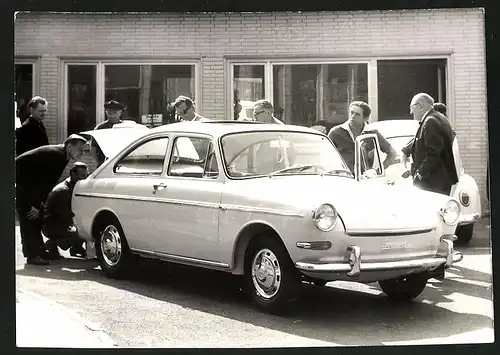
<point>96,330</point>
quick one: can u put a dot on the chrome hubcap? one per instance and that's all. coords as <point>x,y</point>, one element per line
<point>266,273</point>
<point>111,245</point>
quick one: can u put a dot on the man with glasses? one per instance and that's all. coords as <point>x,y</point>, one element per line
<point>433,166</point>
<point>263,112</point>
<point>37,172</point>
<point>185,109</point>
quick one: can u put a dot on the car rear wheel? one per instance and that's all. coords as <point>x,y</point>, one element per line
<point>270,276</point>
<point>406,288</point>
<point>464,234</point>
<point>112,249</point>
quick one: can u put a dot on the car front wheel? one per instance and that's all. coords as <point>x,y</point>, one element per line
<point>112,250</point>
<point>406,288</point>
<point>464,234</point>
<point>270,276</point>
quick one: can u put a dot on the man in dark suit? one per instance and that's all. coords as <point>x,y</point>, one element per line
<point>32,134</point>
<point>37,172</point>
<point>433,166</point>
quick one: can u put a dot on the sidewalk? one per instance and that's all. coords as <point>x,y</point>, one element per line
<point>59,327</point>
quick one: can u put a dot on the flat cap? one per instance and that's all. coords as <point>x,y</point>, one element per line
<point>114,105</point>
<point>74,138</point>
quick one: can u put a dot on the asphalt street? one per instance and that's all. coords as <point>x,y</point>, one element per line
<point>163,305</point>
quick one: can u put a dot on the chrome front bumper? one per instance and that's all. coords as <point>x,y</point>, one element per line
<point>468,218</point>
<point>446,256</point>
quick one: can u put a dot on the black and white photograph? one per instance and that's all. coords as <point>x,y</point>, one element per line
<point>148,215</point>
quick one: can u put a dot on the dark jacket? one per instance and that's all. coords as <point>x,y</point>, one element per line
<point>432,153</point>
<point>340,136</point>
<point>37,172</point>
<point>57,211</point>
<point>107,124</point>
<point>32,134</point>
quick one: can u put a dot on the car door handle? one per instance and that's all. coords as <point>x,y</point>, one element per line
<point>157,187</point>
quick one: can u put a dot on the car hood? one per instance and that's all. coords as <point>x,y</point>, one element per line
<point>112,141</point>
<point>362,206</point>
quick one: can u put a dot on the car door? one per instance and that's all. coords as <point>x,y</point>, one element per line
<point>135,176</point>
<point>368,165</point>
<point>193,193</point>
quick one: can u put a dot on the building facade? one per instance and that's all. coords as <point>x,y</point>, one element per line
<point>310,65</point>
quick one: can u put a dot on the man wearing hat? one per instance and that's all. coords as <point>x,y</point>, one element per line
<point>37,172</point>
<point>113,111</point>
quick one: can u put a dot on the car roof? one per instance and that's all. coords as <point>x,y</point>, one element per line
<point>395,128</point>
<point>112,141</point>
<point>222,127</point>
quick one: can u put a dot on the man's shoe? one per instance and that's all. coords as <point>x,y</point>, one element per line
<point>78,252</point>
<point>36,261</point>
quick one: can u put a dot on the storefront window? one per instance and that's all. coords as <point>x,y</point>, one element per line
<point>147,90</point>
<point>23,89</point>
<point>400,80</point>
<point>81,97</point>
<point>249,87</point>
<point>306,93</point>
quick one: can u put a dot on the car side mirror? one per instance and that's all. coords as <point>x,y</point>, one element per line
<point>367,157</point>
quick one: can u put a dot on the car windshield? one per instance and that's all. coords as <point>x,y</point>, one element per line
<point>252,154</point>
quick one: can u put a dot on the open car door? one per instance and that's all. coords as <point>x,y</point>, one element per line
<point>368,159</point>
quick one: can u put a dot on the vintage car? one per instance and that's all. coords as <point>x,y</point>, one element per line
<point>273,203</point>
<point>400,132</point>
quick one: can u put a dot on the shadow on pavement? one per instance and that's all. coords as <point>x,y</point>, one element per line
<point>323,313</point>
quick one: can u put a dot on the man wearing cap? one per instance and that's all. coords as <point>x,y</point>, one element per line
<point>37,172</point>
<point>113,111</point>
<point>58,216</point>
<point>32,134</point>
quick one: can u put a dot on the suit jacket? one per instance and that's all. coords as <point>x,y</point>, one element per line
<point>32,134</point>
<point>432,153</point>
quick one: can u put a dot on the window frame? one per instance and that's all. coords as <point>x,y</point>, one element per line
<point>33,61</point>
<point>190,136</point>
<point>372,74</point>
<point>101,85</point>
<point>137,145</point>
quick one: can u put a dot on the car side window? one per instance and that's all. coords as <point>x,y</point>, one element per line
<point>146,159</point>
<point>193,157</point>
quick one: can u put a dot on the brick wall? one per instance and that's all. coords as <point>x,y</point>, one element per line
<point>213,36</point>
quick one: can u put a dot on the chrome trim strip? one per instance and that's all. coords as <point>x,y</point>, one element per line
<point>378,266</point>
<point>224,207</point>
<point>389,233</point>
<point>149,199</point>
<point>183,259</point>
<point>261,210</point>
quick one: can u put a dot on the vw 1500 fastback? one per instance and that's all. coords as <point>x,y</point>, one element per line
<point>276,204</point>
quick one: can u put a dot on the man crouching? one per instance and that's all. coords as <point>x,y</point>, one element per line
<point>58,224</point>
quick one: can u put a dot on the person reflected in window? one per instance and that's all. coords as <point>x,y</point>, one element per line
<point>32,133</point>
<point>263,112</point>
<point>186,110</point>
<point>113,111</point>
<point>58,224</point>
<point>344,135</point>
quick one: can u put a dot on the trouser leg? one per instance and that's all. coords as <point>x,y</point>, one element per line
<point>31,236</point>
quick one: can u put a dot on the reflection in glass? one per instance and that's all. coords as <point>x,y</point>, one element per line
<point>81,98</point>
<point>24,89</point>
<point>249,87</point>
<point>148,90</point>
<point>305,94</point>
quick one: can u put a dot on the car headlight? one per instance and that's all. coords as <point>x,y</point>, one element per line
<point>325,217</point>
<point>464,198</point>
<point>450,212</point>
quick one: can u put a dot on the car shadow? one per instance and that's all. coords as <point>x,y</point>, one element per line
<point>324,313</point>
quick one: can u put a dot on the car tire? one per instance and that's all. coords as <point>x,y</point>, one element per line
<point>271,278</point>
<point>464,234</point>
<point>406,288</point>
<point>112,250</point>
